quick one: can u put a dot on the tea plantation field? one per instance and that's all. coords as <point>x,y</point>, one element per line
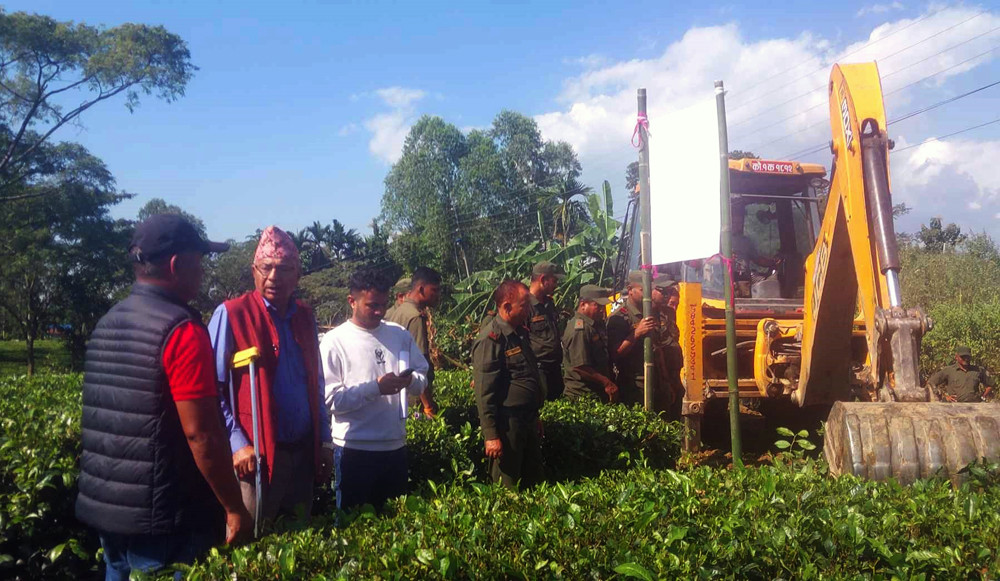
<point>614,506</point>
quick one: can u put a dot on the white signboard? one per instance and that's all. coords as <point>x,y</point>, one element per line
<point>684,181</point>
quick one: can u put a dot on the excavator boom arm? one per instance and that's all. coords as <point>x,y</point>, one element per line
<point>855,263</point>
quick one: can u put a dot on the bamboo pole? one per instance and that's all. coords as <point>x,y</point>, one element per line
<point>727,256</point>
<point>646,252</point>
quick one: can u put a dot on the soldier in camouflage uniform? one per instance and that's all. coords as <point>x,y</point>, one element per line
<point>412,314</point>
<point>626,331</point>
<point>963,381</point>
<point>585,349</point>
<point>509,390</point>
<point>543,326</point>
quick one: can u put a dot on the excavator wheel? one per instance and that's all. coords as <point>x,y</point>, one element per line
<point>907,441</point>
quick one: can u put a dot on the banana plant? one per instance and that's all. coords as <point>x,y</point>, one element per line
<point>586,258</point>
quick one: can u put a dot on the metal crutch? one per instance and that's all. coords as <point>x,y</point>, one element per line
<point>242,359</point>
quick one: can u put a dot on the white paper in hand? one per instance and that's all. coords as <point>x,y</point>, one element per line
<point>404,364</point>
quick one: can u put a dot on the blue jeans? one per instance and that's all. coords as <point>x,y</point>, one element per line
<point>148,553</point>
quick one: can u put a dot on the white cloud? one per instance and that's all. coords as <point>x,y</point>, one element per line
<point>880,9</point>
<point>388,129</point>
<point>776,87</point>
<point>400,97</point>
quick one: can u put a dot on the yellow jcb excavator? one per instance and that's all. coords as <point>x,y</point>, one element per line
<point>819,312</point>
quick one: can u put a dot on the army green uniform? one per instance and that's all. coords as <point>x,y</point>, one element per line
<point>668,340</point>
<point>630,371</point>
<point>585,343</point>
<point>543,327</point>
<point>412,318</point>
<point>509,394</point>
<point>963,384</point>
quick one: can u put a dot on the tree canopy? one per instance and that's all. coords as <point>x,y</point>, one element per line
<point>455,201</point>
<point>52,71</point>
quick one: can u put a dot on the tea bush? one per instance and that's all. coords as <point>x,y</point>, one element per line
<point>757,523</point>
<point>39,451</point>
<point>581,438</point>
<point>619,511</point>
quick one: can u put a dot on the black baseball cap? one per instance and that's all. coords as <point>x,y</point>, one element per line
<point>163,235</point>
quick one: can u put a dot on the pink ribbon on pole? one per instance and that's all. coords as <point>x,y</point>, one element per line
<point>641,122</point>
<point>651,267</point>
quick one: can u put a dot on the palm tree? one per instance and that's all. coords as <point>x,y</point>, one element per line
<point>342,243</point>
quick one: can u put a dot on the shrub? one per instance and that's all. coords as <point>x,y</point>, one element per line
<point>39,451</point>
<point>757,523</point>
<point>581,438</point>
<point>584,437</point>
<point>975,325</point>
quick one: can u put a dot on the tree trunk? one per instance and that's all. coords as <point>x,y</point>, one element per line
<point>29,342</point>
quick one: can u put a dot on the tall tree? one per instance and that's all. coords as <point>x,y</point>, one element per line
<point>419,197</point>
<point>937,238</point>
<point>160,206</point>
<point>62,259</point>
<point>51,72</point>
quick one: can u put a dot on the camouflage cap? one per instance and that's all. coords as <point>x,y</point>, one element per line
<point>594,293</point>
<point>963,351</point>
<point>402,285</point>
<point>548,268</point>
<point>661,280</point>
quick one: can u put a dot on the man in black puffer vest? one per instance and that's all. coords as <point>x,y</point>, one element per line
<point>156,465</point>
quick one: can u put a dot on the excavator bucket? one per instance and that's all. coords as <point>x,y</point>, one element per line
<point>907,441</point>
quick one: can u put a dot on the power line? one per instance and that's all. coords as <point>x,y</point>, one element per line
<point>946,136</point>
<point>794,115</point>
<point>824,86</point>
<point>859,49</point>
<point>940,103</point>
<point>819,147</point>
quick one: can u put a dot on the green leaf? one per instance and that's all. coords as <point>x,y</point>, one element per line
<point>56,551</point>
<point>803,434</point>
<point>425,556</point>
<point>634,571</point>
<point>675,533</point>
<point>805,444</point>
<point>785,432</point>
<point>783,444</point>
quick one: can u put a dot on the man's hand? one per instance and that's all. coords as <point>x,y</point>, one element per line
<point>325,464</point>
<point>244,462</point>
<point>612,390</point>
<point>390,383</point>
<point>239,526</point>
<point>494,449</point>
<point>949,397</point>
<point>987,393</point>
<point>645,327</point>
<point>430,406</point>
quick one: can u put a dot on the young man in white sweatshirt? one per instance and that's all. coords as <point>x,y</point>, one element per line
<point>370,367</point>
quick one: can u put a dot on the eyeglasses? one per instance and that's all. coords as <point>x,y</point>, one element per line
<point>279,269</point>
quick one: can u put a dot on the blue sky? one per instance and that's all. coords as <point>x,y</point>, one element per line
<point>299,108</point>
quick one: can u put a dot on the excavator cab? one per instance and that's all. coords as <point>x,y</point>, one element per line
<point>775,223</point>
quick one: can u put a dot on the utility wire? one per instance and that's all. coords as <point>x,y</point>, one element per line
<point>824,86</point>
<point>859,49</point>
<point>821,103</point>
<point>946,136</point>
<point>819,147</point>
